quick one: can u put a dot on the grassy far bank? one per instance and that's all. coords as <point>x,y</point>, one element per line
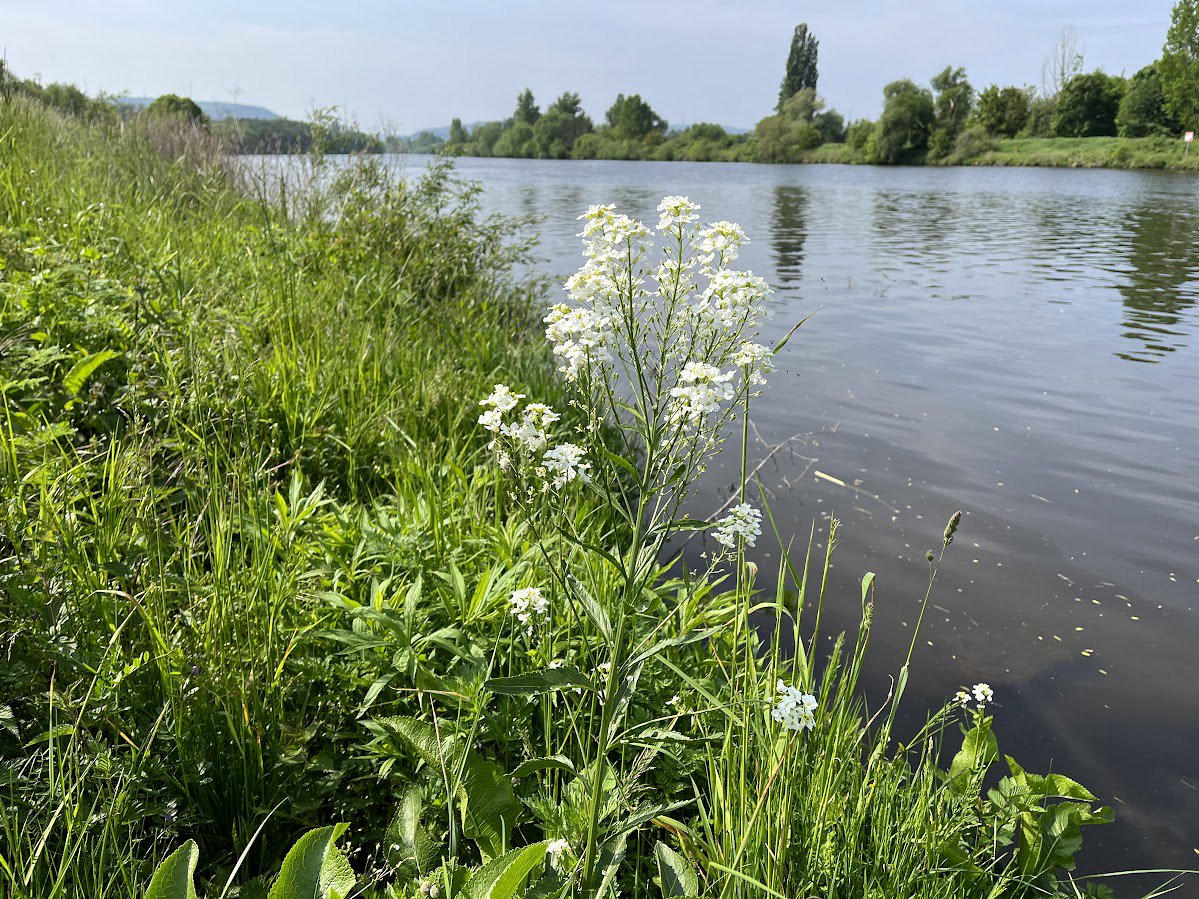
<point>258,568</point>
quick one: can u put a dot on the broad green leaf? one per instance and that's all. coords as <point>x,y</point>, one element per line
<point>77,377</point>
<point>409,845</point>
<point>173,878</point>
<point>419,736</point>
<point>315,868</point>
<point>676,875</point>
<point>503,877</point>
<point>535,682</point>
<point>489,807</point>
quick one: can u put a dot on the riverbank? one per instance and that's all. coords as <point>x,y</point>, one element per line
<point>265,574</point>
<point>1152,153</point>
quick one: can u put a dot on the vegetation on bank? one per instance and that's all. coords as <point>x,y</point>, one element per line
<point>946,122</point>
<point>267,569</point>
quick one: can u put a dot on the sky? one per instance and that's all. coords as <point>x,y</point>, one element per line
<point>411,64</point>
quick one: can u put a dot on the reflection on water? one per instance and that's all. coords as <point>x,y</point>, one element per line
<point>788,232</point>
<point>1163,255</point>
<point>980,344</point>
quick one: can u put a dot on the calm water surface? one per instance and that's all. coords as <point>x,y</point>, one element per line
<point>1016,343</point>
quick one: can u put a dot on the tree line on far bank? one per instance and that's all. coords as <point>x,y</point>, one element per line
<point>945,120</point>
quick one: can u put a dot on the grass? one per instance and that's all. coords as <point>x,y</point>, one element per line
<point>256,565</point>
<point>1089,152</point>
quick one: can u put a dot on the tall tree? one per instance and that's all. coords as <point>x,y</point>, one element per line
<point>1179,66</point>
<point>801,65</point>
<point>458,133</point>
<point>526,108</point>
<point>1063,63</point>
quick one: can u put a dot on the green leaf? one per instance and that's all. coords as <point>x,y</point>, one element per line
<point>77,377</point>
<point>553,762</point>
<point>410,847</point>
<point>536,682</point>
<point>419,736</point>
<point>502,878</point>
<point>315,868</point>
<point>591,607</point>
<point>489,807</point>
<point>979,750</point>
<point>173,878</point>
<point>676,875</point>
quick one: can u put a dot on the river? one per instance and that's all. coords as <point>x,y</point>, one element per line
<point>1015,343</point>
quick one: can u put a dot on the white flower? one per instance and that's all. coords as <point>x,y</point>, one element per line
<point>702,388</point>
<point>732,299</point>
<point>962,697</point>
<point>743,521</point>
<point>528,602</point>
<point>579,336</point>
<point>502,398</point>
<point>982,694</point>
<point>720,242</point>
<point>564,463</point>
<point>530,430</point>
<point>757,360</point>
<point>796,709</point>
<point>492,420</point>
<point>676,211</point>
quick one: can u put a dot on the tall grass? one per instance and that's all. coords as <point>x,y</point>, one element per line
<point>256,566</point>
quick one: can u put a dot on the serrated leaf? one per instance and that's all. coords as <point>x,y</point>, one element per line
<point>536,682</point>
<point>76,378</point>
<point>676,875</point>
<point>315,868</point>
<point>174,876</point>
<point>553,762</point>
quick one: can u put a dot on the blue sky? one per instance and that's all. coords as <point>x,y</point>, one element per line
<point>409,65</point>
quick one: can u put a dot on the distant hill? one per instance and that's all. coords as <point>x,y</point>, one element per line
<point>214,109</point>
<point>729,129</point>
<point>443,131</point>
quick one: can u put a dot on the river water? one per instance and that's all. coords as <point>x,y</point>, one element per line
<point>1019,344</point>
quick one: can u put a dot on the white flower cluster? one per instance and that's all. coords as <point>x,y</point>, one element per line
<point>720,243</point>
<point>757,361</point>
<point>701,390</point>
<point>980,694</point>
<point>796,709</point>
<point>743,521</point>
<point>565,463</point>
<point>733,299</point>
<point>528,602</point>
<point>579,335</point>
<point>674,212</point>
<point>530,433</point>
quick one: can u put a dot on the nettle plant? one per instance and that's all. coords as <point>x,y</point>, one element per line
<point>659,348</point>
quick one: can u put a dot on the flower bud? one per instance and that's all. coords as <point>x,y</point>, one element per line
<point>952,527</point>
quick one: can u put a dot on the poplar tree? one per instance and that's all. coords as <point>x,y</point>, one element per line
<point>801,65</point>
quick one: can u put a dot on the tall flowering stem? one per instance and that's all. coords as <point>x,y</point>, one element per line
<point>657,341</point>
